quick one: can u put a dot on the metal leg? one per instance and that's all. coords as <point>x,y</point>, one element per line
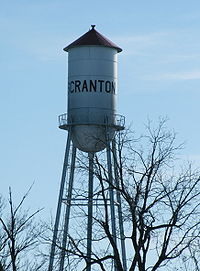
<point>68,207</point>
<point>62,184</point>
<point>90,210</point>
<point>121,226</point>
<point>111,194</point>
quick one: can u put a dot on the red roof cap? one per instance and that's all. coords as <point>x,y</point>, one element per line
<point>92,37</point>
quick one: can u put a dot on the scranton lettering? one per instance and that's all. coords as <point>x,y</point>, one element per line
<point>91,86</point>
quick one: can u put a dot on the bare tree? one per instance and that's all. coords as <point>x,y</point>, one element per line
<point>160,206</point>
<point>19,236</point>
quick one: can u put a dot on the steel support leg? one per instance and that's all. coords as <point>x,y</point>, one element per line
<point>120,217</point>
<point>90,210</point>
<point>111,194</point>
<point>68,207</point>
<point>62,184</point>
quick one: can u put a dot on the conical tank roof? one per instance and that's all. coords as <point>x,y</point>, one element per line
<point>92,37</point>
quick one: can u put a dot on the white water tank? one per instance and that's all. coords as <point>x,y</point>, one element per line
<point>92,91</point>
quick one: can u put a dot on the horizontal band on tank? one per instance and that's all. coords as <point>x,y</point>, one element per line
<point>106,86</point>
<point>117,122</point>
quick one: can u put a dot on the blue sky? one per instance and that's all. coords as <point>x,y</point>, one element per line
<point>159,75</point>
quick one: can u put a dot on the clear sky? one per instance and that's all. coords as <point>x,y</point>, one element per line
<point>159,75</point>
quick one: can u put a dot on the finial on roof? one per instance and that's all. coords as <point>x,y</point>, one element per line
<point>93,26</point>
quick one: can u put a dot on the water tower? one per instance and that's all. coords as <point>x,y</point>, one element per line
<point>91,123</point>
